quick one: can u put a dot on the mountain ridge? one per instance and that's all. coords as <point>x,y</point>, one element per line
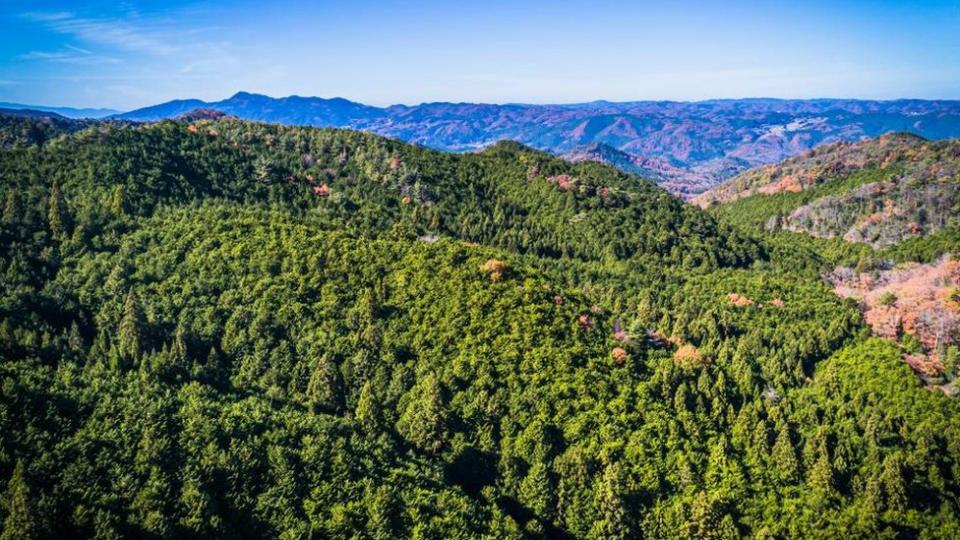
<point>704,142</point>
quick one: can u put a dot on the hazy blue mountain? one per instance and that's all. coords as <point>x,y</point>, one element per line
<point>336,112</point>
<point>170,109</point>
<point>69,112</point>
<point>30,113</point>
<point>686,146</point>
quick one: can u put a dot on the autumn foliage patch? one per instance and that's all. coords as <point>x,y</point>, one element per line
<point>689,356</point>
<point>909,300</point>
<point>619,355</point>
<point>494,268</point>
<point>739,300</point>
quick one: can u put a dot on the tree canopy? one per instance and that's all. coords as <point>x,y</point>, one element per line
<point>197,340</point>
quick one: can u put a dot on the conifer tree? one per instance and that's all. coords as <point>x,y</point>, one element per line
<point>382,522</point>
<point>704,519</point>
<point>20,522</point>
<point>366,313</point>
<point>118,201</point>
<point>820,477</point>
<point>727,529</point>
<point>891,478</point>
<point>325,388</point>
<point>74,339</point>
<point>129,331</point>
<point>57,213</point>
<point>537,491</point>
<point>613,519</point>
<point>424,420</point>
<point>784,456</point>
<point>179,351</point>
<point>368,412</point>
<point>173,360</point>
<point>11,208</point>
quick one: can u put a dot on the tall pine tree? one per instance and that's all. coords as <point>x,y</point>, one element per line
<point>20,522</point>
<point>424,420</point>
<point>613,519</point>
<point>129,339</point>
<point>325,388</point>
<point>57,213</point>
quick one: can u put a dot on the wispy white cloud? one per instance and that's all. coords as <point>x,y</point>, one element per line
<point>45,55</point>
<point>76,49</point>
<point>122,34</point>
<point>69,54</point>
<point>47,16</point>
<point>127,57</point>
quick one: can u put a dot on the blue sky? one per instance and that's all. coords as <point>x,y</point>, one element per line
<point>130,54</point>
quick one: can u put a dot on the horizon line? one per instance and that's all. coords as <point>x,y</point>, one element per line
<point>487,103</point>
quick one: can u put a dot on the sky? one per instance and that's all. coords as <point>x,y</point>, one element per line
<point>125,55</point>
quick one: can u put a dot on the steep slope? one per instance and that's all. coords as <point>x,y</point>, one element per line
<point>229,329</point>
<point>879,192</point>
<point>885,211</point>
<point>810,168</point>
<point>31,113</point>
<point>699,144</point>
<point>170,109</point>
<point>917,303</point>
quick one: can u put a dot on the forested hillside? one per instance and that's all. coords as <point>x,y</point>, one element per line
<point>218,328</point>
<point>884,212</point>
<point>23,128</point>
<point>878,192</point>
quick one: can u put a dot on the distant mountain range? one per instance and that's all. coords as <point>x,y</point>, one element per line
<point>31,113</point>
<point>68,112</point>
<point>687,147</point>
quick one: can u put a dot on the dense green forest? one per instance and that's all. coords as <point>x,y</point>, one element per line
<point>233,329</point>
